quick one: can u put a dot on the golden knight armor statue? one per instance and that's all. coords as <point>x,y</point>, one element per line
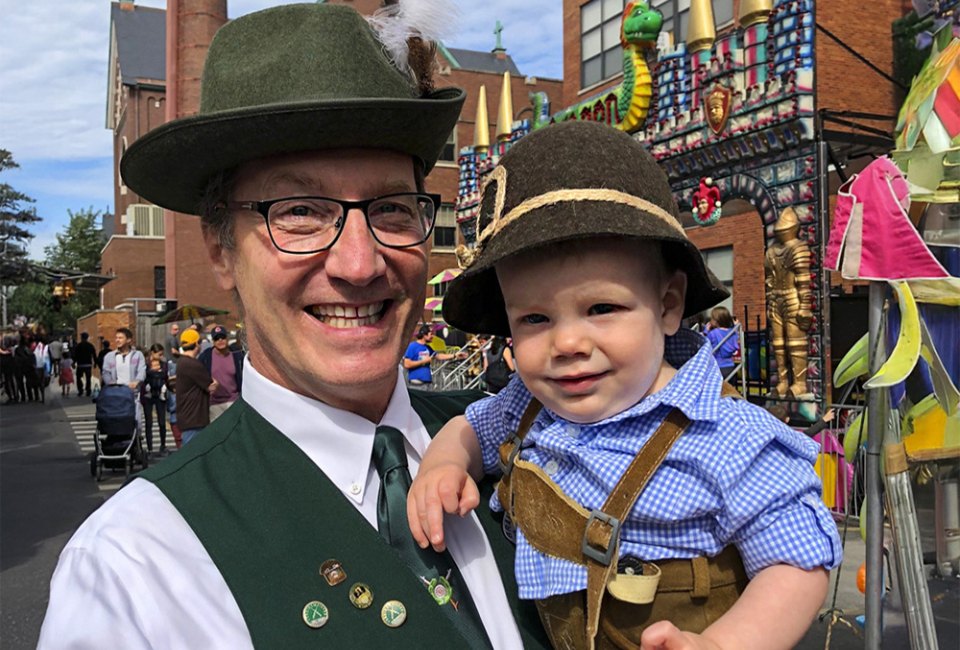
<point>787,270</point>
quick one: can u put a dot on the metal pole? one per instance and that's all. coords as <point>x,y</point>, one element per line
<point>823,205</point>
<point>874,501</point>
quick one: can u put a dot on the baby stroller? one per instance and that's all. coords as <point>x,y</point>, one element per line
<point>118,441</point>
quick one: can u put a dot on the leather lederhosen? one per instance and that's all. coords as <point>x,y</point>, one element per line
<point>616,607</point>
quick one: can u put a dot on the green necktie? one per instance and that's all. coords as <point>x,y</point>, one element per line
<point>390,459</point>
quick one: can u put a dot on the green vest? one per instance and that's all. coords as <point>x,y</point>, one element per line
<point>268,517</point>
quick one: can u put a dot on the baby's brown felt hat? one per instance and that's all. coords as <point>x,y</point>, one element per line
<point>572,180</point>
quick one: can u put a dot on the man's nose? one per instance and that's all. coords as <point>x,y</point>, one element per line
<point>356,257</point>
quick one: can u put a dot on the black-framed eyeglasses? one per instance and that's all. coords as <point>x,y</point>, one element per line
<point>302,225</point>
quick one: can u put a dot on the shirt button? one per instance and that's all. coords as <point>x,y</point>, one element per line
<point>551,467</point>
<point>354,489</point>
<point>573,430</point>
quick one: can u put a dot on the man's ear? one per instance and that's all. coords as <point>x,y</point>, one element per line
<point>674,298</point>
<point>221,261</point>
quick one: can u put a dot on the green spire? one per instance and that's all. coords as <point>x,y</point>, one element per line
<point>498,30</point>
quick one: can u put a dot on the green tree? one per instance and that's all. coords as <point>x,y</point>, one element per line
<point>78,246</point>
<point>34,300</point>
<point>15,219</point>
<point>76,249</point>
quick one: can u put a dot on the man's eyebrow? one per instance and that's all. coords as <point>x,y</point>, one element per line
<point>291,177</point>
<point>394,187</point>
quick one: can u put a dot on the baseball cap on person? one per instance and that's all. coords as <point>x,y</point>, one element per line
<point>189,337</point>
<point>218,332</point>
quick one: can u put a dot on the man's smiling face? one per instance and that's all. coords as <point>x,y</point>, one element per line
<point>330,325</point>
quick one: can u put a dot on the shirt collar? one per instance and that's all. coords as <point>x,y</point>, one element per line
<point>695,389</point>
<point>339,443</point>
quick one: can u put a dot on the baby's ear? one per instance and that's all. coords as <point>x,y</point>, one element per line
<point>674,298</point>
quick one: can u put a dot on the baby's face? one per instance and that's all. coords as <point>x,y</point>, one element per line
<point>588,327</point>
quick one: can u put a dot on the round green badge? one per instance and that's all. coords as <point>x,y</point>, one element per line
<point>393,613</point>
<point>315,614</point>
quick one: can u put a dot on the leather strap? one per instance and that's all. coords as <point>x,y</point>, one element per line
<point>556,525</point>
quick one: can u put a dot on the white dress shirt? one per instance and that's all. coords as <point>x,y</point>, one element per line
<point>135,575</point>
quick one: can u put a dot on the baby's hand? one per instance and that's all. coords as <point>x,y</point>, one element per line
<point>664,635</point>
<point>442,488</point>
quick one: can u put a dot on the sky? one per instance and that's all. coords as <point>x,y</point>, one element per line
<point>53,89</point>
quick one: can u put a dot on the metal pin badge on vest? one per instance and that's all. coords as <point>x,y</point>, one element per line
<point>393,613</point>
<point>361,595</point>
<point>315,614</point>
<point>332,571</point>
<point>440,589</point>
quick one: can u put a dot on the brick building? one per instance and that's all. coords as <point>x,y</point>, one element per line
<point>844,82</point>
<point>158,254</point>
<point>136,102</point>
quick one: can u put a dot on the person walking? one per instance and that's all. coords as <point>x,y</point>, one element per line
<point>306,163</point>
<point>171,347</point>
<point>56,353</point>
<point>226,366</point>
<point>84,355</point>
<point>41,365</point>
<point>418,357</point>
<point>194,387</point>
<point>153,397</point>
<point>724,347</point>
<point>101,355</point>
<point>172,399</point>
<point>498,365</point>
<point>66,374</point>
<point>24,369</point>
<point>8,368</point>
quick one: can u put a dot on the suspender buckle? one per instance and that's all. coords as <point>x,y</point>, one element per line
<point>595,553</point>
<point>505,468</point>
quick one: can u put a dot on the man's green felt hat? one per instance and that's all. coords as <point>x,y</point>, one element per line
<point>300,77</point>
<point>570,181</point>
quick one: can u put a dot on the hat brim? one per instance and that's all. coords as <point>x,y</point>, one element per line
<point>474,303</point>
<point>171,165</point>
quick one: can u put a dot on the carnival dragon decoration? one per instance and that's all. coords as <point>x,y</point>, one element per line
<point>627,105</point>
<point>639,30</point>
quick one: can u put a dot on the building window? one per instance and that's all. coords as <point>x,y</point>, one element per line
<point>143,220</point>
<point>676,18</point>
<point>159,282</point>
<point>720,261</point>
<point>445,229</point>
<point>449,152</point>
<point>440,289</point>
<point>601,55</point>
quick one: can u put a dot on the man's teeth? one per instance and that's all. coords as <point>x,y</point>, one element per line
<point>347,316</point>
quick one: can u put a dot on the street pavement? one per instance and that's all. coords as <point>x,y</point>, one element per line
<point>47,491</point>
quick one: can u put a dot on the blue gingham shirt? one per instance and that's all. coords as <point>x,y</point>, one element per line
<point>737,475</point>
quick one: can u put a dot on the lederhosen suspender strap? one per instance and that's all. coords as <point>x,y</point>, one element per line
<point>556,525</point>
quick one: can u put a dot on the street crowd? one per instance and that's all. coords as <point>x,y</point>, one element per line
<point>211,371</point>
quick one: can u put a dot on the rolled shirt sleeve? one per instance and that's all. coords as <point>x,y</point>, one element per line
<point>773,509</point>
